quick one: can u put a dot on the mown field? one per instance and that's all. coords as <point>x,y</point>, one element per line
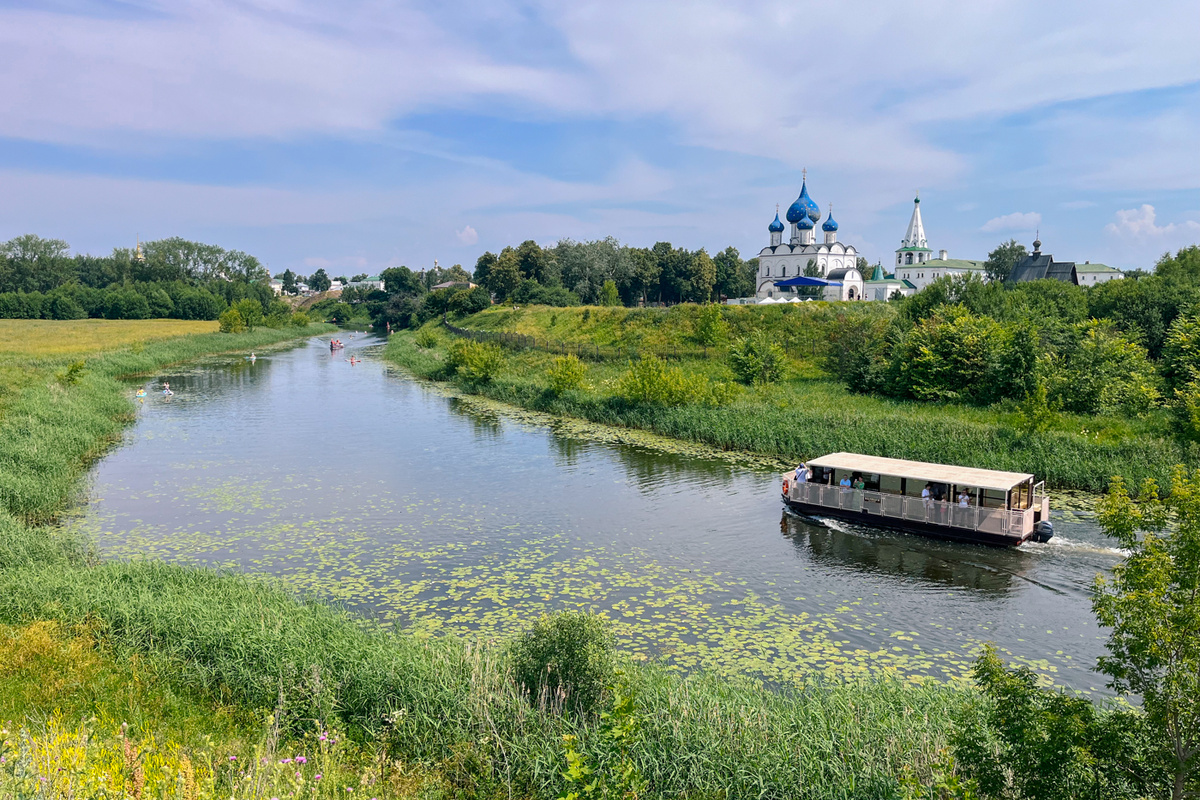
<point>167,681</point>
<point>806,414</point>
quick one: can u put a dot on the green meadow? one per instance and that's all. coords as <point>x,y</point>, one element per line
<point>805,414</point>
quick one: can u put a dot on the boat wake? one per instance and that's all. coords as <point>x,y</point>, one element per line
<point>1062,543</point>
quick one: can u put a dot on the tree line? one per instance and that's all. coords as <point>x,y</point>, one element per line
<point>1122,347</point>
<point>175,278</point>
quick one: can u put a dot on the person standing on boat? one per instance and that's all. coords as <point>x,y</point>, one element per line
<point>964,499</point>
<point>802,473</point>
<point>845,483</point>
<point>927,499</point>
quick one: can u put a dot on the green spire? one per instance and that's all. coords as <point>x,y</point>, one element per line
<point>877,275</point>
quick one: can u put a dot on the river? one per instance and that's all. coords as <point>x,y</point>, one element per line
<point>357,484</point>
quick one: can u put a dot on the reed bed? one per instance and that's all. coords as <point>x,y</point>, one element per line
<point>454,705</point>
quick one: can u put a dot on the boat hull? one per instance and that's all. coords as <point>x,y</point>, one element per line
<point>945,532</point>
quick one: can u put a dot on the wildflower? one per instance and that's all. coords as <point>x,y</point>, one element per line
<point>233,758</point>
<point>285,761</point>
<point>322,737</point>
<point>301,760</point>
<point>318,777</point>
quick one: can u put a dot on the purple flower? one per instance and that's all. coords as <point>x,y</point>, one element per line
<point>233,758</point>
<point>285,761</point>
<point>318,777</point>
<point>301,760</point>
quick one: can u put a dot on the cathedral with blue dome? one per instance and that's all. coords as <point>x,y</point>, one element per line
<point>837,263</point>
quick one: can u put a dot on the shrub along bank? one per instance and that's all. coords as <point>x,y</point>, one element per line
<point>766,392</point>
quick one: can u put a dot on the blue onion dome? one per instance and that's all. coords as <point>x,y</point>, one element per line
<point>805,224</point>
<point>814,212</point>
<point>830,224</point>
<point>797,210</point>
<point>776,226</point>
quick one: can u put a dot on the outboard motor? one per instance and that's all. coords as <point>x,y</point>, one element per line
<point>1043,531</point>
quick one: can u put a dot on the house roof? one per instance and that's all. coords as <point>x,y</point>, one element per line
<point>1090,268</point>
<point>923,470</point>
<point>1037,266</point>
<point>950,263</point>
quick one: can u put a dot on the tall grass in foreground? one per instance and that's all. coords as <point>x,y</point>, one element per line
<point>454,705</point>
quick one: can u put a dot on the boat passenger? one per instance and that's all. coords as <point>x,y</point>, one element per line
<point>964,499</point>
<point>859,483</point>
<point>845,483</point>
<point>802,473</point>
<point>927,496</point>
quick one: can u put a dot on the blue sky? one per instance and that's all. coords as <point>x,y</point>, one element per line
<point>361,135</point>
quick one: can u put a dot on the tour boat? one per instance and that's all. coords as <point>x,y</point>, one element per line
<point>963,504</point>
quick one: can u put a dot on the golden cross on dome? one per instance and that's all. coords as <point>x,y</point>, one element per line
<point>804,172</point>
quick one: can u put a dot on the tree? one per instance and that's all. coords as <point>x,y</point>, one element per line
<point>33,264</point>
<point>1000,262</point>
<point>401,280</point>
<point>251,312</point>
<point>609,295</point>
<point>1152,608</point>
<point>231,321</point>
<point>319,281</point>
<point>732,280</point>
<point>701,276</point>
<point>505,276</point>
<point>1183,267</point>
<point>1104,373</point>
<point>289,282</point>
<point>362,276</point>
<point>483,266</point>
<point>537,264</point>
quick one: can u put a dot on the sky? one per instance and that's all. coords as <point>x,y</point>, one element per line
<point>356,136</point>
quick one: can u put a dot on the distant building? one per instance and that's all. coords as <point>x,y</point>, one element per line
<point>456,285</point>
<point>779,262</point>
<point>370,282</point>
<point>882,287</point>
<point>914,249</point>
<point>926,272</point>
<point>277,286</point>
<point>1090,274</point>
<point>1038,266</point>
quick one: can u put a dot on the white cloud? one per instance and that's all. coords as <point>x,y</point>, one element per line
<point>467,235</point>
<point>1141,223</point>
<point>1016,221</point>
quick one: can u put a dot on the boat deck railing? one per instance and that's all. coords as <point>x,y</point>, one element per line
<point>998,521</point>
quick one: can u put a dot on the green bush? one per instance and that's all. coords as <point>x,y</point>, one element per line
<point>476,362</point>
<point>565,660</point>
<point>426,339</point>
<point>251,312</point>
<point>469,301</point>
<point>299,319</point>
<point>231,322</point>
<point>567,373</point>
<point>711,327</point>
<point>757,359</point>
<point>1025,742</point>
<point>651,381</point>
<point>1106,373</point>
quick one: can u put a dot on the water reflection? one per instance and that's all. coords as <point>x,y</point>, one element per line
<point>988,571</point>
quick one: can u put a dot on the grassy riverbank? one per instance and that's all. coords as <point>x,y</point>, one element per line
<point>805,415</point>
<point>199,652</point>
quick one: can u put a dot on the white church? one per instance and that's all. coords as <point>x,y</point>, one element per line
<point>833,261</point>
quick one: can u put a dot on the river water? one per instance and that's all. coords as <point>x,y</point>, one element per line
<point>357,484</point>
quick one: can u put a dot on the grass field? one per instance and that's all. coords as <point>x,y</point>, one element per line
<point>807,414</point>
<point>38,338</point>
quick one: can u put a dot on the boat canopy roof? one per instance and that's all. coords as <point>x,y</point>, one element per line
<point>922,470</point>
